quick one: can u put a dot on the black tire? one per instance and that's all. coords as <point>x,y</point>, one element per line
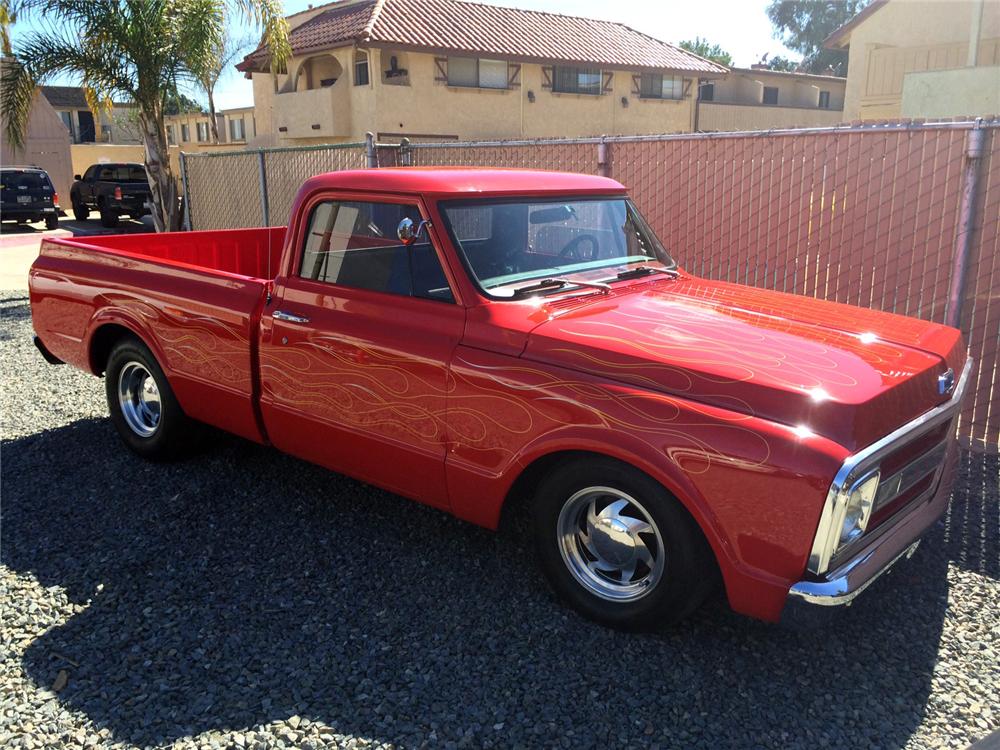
<point>688,572</point>
<point>174,434</point>
<point>80,211</point>
<point>51,222</point>
<point>109,217</point>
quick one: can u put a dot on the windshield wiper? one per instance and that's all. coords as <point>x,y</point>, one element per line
<point>638,271</point>
<point>546,285</point>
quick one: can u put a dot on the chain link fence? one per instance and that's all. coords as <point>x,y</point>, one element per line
<point>867,215</point>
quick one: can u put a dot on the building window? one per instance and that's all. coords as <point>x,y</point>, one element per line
<point>236,130</point>
<point>824,100</point>
<point>202,132</point>
<point>397,74</point>
<point>185,133</point>
<point>577,80</point>
<point>659,86</point>
<point>477,73</point>
<point>770,95</point>
<point>360,68</point>
<point>170,135</point>
<point>706,92</point>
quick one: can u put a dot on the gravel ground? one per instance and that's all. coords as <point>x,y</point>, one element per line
<point>246,599</point>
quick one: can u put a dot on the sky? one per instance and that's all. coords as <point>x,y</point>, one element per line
<point>741,27</point>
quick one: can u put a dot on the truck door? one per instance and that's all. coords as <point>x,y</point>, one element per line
<point>356,344</point>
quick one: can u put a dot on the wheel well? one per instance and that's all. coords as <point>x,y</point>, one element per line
<point>103,341</point>
<point>519,496</point>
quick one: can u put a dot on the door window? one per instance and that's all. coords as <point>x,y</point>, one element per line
<point>354,244</point>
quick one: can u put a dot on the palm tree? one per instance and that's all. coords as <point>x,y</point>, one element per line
<point>137,50</point>
<point>8,16</point>
<point>207,77</point>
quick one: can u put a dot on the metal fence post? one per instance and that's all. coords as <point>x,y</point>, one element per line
<point>602,157</point>
<point>966,224</point>
<point>265,208</point>
<point>186,218</point>
<point>370,159</point>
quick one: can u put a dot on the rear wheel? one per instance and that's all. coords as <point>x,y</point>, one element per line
<point>80,211</point>
<point>143,407</point>
<point>618,547</point>
<point>51,222</point>
<point>109,217</point>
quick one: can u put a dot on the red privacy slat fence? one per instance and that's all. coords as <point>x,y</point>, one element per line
<point>866,215</point>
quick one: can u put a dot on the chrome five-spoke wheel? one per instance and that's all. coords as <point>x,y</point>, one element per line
<point>610,544</point>
<point>139,398</point>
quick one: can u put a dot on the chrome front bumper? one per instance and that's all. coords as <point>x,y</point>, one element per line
<point>813,599</point>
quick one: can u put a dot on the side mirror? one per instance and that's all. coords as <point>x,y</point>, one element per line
<point>77,177</point>
<point>409,231</point>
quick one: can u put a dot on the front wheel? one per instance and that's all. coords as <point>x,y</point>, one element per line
<point>142,404</point>
<point>618,547</point>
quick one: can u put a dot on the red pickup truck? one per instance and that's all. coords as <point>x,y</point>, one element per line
<point>466,336</point>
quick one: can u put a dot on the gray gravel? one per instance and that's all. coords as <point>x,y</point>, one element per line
<point>247,599</point>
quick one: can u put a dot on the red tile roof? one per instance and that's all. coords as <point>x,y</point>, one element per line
<point>486,30</point>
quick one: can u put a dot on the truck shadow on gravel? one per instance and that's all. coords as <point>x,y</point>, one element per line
<point>243,587</point>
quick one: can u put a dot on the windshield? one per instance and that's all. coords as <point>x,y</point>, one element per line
<point>507,244</point>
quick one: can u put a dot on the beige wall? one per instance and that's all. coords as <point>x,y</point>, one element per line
<point>426,107</point>
<point>46,145</point>
<point>86,154</point>
<point>716,116</point>
<point>946,93</point>
<point>907,36</point>
<point>802,91</point>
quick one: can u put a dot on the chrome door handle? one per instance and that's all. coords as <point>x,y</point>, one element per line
<point>288,317</point>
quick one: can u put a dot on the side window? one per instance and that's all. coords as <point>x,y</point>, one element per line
<point>354,244</point>
<point>90,174</point>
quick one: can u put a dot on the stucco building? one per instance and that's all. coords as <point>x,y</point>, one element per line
<point>192,131</point>
<point>757,98</point>
<point>448,69</point>
<point>119,125</point>
<point>921,58</point>
<point>46,145</point>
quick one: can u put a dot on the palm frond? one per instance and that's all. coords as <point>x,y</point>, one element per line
<point>269,14</point>
<point>16,98</point>
<point>201,32</point>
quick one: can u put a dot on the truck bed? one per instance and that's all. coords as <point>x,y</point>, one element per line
<point>195,297</point>
<point>254,253</point>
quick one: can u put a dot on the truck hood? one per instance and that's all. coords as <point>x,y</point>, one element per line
<point>850,374</point>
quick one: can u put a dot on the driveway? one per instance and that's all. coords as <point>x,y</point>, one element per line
<point>19,243</point>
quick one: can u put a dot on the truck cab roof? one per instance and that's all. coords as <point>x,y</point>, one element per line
<point>467,181</point>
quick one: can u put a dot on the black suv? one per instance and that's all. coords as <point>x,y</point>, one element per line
<point>27,194</point>
<point>113,189</point>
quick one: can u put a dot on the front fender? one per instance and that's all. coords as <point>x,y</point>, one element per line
<point>756,488</point>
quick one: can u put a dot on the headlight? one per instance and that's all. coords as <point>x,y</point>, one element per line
<point>858,508</point>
